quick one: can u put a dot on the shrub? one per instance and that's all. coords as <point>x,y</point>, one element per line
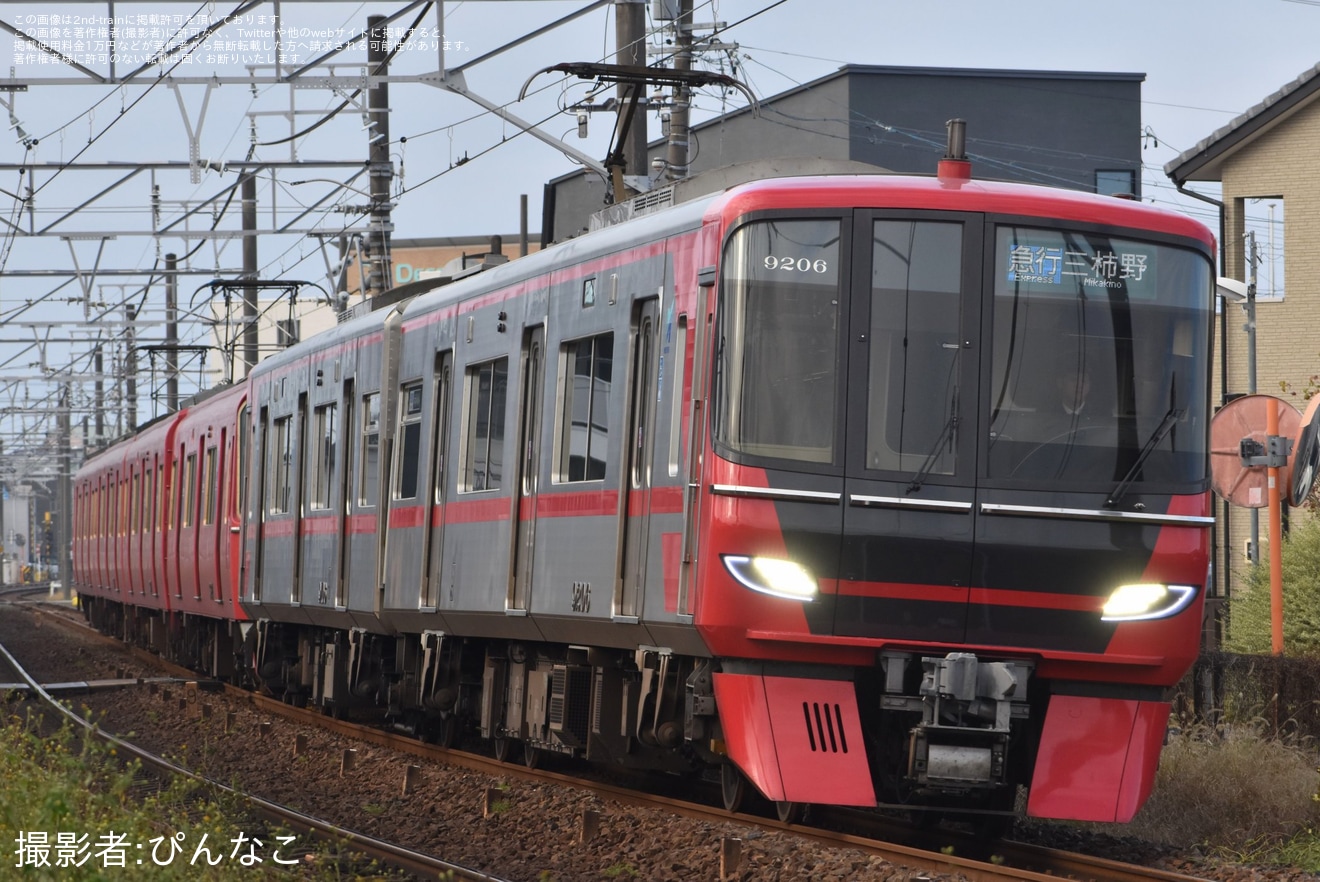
<point>1249,628</point>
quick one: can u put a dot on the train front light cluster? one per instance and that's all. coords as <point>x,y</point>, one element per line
<point>773,576</point>
<point>1152,600</point>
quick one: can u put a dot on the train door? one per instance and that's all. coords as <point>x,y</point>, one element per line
<point>529,435</point>
<point>635,506</point>
<point>234,518</point>
<point>435,542</point>
<point>345,490</point>
<point>157,540</point>
<point>217,502</point>
<point>295,506</point>
<point>135,528</point>
<point>255,556</point>
<point>910,451</point>
<point>176,516</point>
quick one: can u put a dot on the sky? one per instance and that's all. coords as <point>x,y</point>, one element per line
<point>460,170</point>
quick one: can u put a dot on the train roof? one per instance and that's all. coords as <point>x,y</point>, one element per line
<point>843,190</point>
<point>953,194</point>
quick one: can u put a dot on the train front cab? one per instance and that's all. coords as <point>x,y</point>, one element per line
<point>923,584</point>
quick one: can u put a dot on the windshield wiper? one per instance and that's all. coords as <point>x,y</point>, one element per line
<point>1166,425</point>
<point>946,433</point>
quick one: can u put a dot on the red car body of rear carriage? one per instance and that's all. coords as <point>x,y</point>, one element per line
<point>202,543</point>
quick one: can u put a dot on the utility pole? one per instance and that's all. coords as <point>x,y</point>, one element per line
<point>130,368</point>
<point>630,49</point>
<point>677,166</point>
<point>64,490</point>
<point>98,400</point>
<point>381,166</point>
<point>172,332</point>
<point>249,198</point>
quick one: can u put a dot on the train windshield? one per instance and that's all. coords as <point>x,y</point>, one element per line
<point>1099,359</point>
<point>777,353</point>
<point>1093,374</point>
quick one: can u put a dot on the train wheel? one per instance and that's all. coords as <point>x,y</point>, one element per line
<point>733,787</point>
<point>790,812</point>
<point>447,731</point>
<point>531,756</point>
<point>503,749</point>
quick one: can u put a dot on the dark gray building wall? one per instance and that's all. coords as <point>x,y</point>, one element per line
<point>810,121</point>
<point>1053,128</point>
<point>1040,127</point>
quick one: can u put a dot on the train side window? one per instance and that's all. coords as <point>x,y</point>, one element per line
<point>324,454</point>
<point>148,498</point>
<point>584,419</point>
<point>208,487</point>
<point>242,453</point>
<point>441,442</point>
<point>483,440</point>
<point>676,359</point>
<point>135,527</point>
<point>281,465</point>
<point>407,466</point>
<point>369,481</point>
<point>170,495</point>
<point>189,490</point>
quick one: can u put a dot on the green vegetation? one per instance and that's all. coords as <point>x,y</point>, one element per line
<point>1249,609</point>
<point>71,810</point>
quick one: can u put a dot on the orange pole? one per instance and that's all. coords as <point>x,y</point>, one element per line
<point>1276,538</point>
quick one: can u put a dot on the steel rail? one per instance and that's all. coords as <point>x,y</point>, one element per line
<point>387,853</point>
<point>1006,860</point>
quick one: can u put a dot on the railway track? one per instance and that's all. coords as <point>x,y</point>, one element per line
<point>870,836</point>
<point>383,852</point>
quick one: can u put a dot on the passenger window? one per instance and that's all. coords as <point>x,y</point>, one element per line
<point>369,482</point>
<point>282,465</point>
<point>483,448</point>
<point>584,422</point>
<point>209,487</point>
<point>410,441</point>
<point>324,455</point>
<point>189,490</point>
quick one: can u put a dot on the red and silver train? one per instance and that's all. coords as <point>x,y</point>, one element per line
<point>774,484</point>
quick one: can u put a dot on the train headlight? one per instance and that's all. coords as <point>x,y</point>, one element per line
<point>773,576</point>
<point>1134,603</point>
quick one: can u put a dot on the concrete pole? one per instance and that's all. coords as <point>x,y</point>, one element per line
<point>522,225</point>
<point>171,333</point>
<point>64,505</point>
<point>630,49</point>
<point>98,405</point>
<point>381,166</point>
<point>678,117</point>
<point>130,367</point>
<point>250,270</point>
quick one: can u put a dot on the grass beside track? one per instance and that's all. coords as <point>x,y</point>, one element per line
<point>1237,795</point>
<point>71,810</point>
